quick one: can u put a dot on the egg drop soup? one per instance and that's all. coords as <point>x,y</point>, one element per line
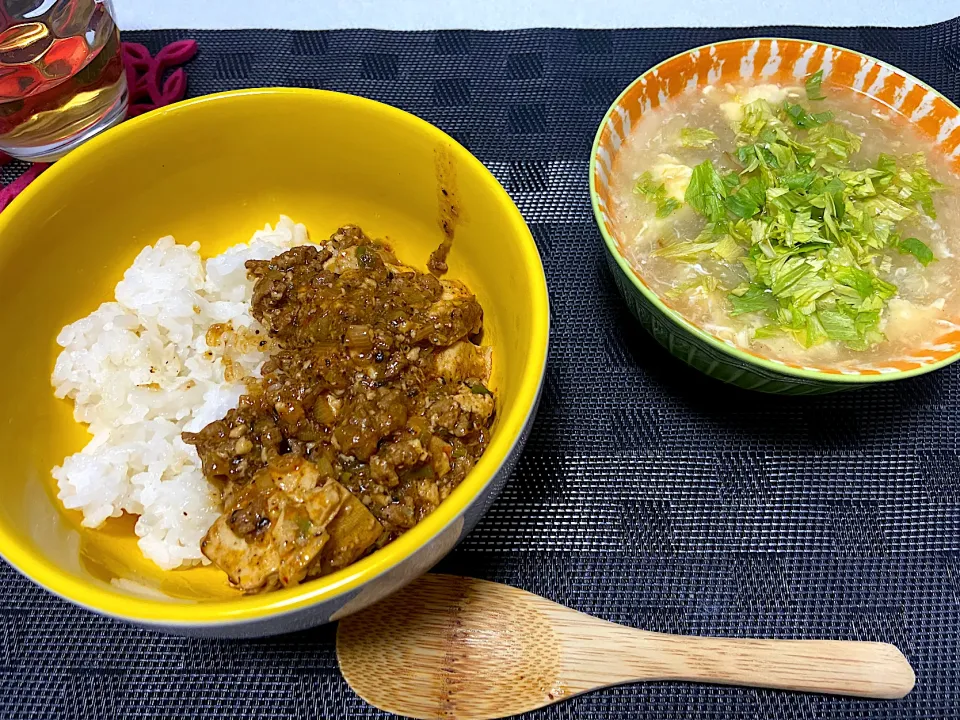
<point>806,224</point>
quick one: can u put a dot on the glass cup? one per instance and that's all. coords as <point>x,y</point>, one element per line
<point>61,75</point>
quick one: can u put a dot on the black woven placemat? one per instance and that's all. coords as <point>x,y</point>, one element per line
<point>648,494</point>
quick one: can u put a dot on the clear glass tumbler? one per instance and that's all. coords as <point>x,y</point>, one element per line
<point>61,75</point>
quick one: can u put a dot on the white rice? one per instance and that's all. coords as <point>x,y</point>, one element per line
<point>140,372</point>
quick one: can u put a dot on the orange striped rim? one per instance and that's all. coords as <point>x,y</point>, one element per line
<point>782,61</point>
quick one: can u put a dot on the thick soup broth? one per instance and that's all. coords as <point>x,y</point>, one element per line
<point>844,286</point>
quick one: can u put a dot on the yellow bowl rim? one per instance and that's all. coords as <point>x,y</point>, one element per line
<point>249,608</point>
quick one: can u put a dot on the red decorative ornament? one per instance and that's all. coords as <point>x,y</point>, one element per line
<point>145,84</point>
<point>147,89</point>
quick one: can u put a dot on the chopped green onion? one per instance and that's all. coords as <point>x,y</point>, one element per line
<point>424,471</point>
<point>304,525</point>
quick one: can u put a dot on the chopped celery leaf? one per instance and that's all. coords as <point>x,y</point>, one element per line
<point>706,192</point>
<point>727,249</point>
<point>684,250</point>
<point>802,119</point>
<point>708,283</point>
<point>648,188</point>
<point>748,198</point>
<point>656,193</point>
<point>838,325</point>
<point>699,138</point>
<point>665,206</point>
<point>731,179</point>
<point>812,86</point>
<point>917,248</point>
<point>755,299</point>
<point>811,223</point>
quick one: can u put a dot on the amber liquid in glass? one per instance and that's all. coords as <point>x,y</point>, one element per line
<point>61,77</point>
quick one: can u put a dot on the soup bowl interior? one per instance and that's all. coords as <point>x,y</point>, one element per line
<point>214,170</point>
<point>785,62</point>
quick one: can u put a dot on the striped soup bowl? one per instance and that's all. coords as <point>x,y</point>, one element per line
<point>769,60</point>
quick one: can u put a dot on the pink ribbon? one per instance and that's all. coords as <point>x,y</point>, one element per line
<point>146,87</point>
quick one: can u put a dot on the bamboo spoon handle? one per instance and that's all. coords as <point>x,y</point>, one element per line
<point>452,647</point>
<point>615,654</point>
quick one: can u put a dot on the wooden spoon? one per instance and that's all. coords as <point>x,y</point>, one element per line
<point>453,647</point>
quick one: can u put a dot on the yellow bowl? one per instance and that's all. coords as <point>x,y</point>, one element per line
<point>213,170</point>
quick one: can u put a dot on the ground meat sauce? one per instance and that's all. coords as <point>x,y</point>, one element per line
<point>372,407</point>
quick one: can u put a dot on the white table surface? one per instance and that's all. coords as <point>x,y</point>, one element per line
<point>505,14</point>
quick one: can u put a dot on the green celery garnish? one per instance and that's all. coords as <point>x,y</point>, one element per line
<point>699,138</point>
<point>798,180</point>
<point>706,192</point>
<point>707,282</point>
<point>731,179</point>
<point>812,230</point>
<point>833,141</point>
<point>748,199</point>
<point>839,326</point>
<point>646,187</point>
<point>812,86</point>
<point>727,249</point>
<point>802,119</point>
<point>754,299</point>
<point>656,193</point>
<point>684,250</point>
<point>757,116</point>
<point>666,205</point>
<point>767,331</point>
<point>918,249</point>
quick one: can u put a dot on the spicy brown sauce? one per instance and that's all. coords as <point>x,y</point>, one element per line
<point>373,382</point>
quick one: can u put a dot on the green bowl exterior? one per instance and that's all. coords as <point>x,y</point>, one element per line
<point>707,359</point>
